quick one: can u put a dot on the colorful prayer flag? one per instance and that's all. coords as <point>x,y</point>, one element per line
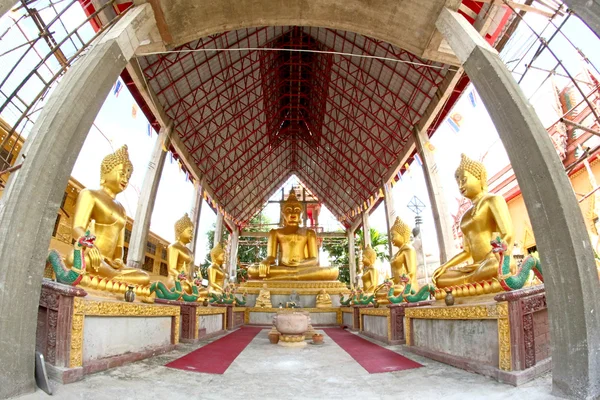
<point>418,159</point>
<point>149,128</point>
<point>134,110</point>
<point>117,88</point>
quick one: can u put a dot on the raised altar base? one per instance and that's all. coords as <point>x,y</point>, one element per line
<point>318,316</point>
<point>234,316</point>
<point>505,336</point>
<point>80,335</point>
<point>307,291</point>
<point>196,321</point>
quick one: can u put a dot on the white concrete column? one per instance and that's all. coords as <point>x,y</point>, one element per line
<point>351,257</point>
<point>390,216</point>
<point>219,228</point>
<point>235,238</point>
<point>195,214</point>
<point>435,189</point>
<point>6,6</point>
<point>34,193</point>
<point>366,229</point>
<point>570,274</point>
<point>145,207</point>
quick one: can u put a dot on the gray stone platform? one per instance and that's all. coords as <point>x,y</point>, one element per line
<point>315,372</point>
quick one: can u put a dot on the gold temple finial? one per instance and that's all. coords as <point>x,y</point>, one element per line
<point>475,168</point>
<point>182,224</point>
<point>402,229</point>
<point>121,156</point>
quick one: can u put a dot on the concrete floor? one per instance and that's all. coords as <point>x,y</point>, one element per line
<point>265,371</point>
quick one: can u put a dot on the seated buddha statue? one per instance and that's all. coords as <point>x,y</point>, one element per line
<point>487,218</point>
<point>370,276</point>
<point>323,299</point>
<point>404,261</point>
<point>100,209</point>
<point>297,248</point>
<point>179,257</point>
<point>216,273</point>
<point>264,298</point>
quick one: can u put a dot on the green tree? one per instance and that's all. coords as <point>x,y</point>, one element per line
<point>247,254</point>
<point>379,243</point>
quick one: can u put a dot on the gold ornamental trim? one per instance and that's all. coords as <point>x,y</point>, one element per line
<point>487,311</point>
<point>286,287</point>
<point>211,310</point>
<point>83,308</point>
<point>498,311</point>
<point>375,311</point>
<point>347,309</point>
<point>239,309</point>
<point>273,310</point>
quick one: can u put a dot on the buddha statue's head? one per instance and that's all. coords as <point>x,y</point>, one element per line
<point>184,229</point>
<point>400,233</point>
<point>369,256</point>
<point>471,177</point>
<point>217,254</point>
<point>291,209</point>
<point>115,171</point>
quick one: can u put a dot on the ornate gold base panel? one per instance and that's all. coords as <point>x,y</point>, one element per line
<point>497,311</point>
<point>249,310</point>
<point>107,308</point>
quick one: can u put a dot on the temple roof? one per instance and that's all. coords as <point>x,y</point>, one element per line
<point>251,118</point>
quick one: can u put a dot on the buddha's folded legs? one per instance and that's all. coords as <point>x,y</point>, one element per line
<point>482,272</point>
<point>128,275</point>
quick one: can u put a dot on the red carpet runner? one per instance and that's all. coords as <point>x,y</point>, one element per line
<point>370,356</point>
<point>216,357</point>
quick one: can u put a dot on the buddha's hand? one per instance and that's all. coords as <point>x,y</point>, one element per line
<point>437,273</point>
<point>94,258</point>
<point>263,269</point>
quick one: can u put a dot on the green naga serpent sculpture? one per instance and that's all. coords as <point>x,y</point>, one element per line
<point>227,297</point>
<point>510,281</point>
<point>176,292</point>
<point>73,275</point>
<point>408,295</point>
<point>362,299</point>
<point>348,302</point>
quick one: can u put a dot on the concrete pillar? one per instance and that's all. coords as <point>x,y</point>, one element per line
<point>195,214</point>
<point>143,213</point>
<point>34,193</point>
<point>366,229</point>
<point>219,228</point>
<point>588,11</point>
<point>6,6</point>
<point>351,257</point>
<point>570,274</point>
<point>235,238</point>
<point>439,208</point>
<point>390,216</point>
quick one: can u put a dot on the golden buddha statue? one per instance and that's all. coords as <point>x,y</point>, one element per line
<point>264,298</point>
<point>487,218</point>
<point>404,261</point>
<point>370,276</point>
<point>323,299</point>
<point>216,273</point>
<point>100,209</point>
<point>179,258</point>
<point>297,248</point>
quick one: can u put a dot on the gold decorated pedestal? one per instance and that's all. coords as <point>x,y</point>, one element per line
<point>301,287</point>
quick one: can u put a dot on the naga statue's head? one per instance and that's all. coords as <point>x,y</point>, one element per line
<point>291,209</point>
<point>471,177</point>
<point>184,229</point>
<point>115,170</point>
